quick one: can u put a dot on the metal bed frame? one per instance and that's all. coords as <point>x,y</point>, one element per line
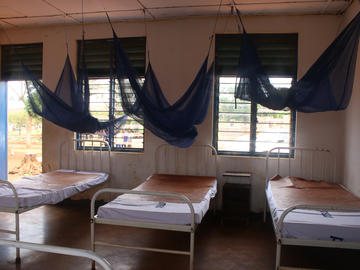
<point>58,250</point>
<point>17,210</point>
<point>171,155</point>
<point>320,166</point>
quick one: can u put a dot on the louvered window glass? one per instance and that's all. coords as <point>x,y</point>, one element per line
<point>249,128</point>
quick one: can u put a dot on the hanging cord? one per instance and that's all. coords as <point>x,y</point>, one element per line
<point>82,14</point>
<point>237,77</point>
<point>112,50</point>
<point>82,64</point>
<point>227,17</point>
<point>238,17</point>
<point>214,28</point>
<point>341,25</point>
<point>146,36</point>
<point>240,20</point>
<point>233,7</point>
<point>66,37</point>
<point>83,37</point>
<point>83,32</point>
<point>239,24</point>
<point>108,18</point>
<point>107,15</point>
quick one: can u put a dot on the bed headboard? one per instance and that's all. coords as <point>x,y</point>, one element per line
<point>94,155</point>
<point>194,160</point>
<point>308,163</point>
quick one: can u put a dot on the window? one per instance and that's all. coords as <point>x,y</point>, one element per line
<point>23,131</point>
<point>248,128</point>
<point>105,101</point>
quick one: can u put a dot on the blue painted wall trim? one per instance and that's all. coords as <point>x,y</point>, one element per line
<point>3,132</point>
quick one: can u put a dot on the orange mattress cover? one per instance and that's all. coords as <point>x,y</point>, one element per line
<point>291,191</point>
<point>193,187</point>
<point>54,180</point>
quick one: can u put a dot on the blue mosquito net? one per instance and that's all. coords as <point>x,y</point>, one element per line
<point>326,86</point>
<point>146,103</point>
<point>68,105</point>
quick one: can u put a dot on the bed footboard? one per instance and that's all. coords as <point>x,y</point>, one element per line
<point>304,162</point>
<point>280,240</point>
<point>307,163</point>
<point>58,250</point>
<point>16,211</point>
<point>66,152</point>
<point>149,225</point>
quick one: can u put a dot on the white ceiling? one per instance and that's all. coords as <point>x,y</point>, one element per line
<point>23,13</point>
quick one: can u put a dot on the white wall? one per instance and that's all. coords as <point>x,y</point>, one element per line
<point>177,48</point>
<point>352,123</point>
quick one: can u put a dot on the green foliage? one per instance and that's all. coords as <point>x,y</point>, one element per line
<point>28,108</point>
<point>18,118</point>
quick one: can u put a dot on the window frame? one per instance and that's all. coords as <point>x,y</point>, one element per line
<point>112,86</point>
<point>253,122</point>
<point>31,54</point>
<point>12,54</point>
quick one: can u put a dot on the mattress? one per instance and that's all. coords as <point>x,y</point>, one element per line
<point>311,224</point>
<point>151,209</point>
<point>49,188</point>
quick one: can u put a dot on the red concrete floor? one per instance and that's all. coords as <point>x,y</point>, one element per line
<point>228,246</point>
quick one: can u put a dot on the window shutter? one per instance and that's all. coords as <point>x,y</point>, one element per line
<point>11,55</point>
<point>97,55</point>
<point>277,52</point>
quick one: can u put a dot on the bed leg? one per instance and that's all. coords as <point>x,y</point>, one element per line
<point>17,236</point>
<point>278,255</point>
<point>214,206</point>
<point>92,228</point>
<point>265,208</point>
<point>192,240</point>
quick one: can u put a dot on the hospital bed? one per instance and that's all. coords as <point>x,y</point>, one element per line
<point>74,176</point>
<point>175,198</point>
<point>307,205</point>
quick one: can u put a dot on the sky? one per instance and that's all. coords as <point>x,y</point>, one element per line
<point>15,89</point>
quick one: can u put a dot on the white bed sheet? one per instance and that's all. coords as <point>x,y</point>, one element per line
<point>310,224</point>
<point>149,211</point>
<point>29,197</point>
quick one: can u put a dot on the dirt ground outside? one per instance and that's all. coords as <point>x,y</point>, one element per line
<point>22,160</point>
<point>23,126</point>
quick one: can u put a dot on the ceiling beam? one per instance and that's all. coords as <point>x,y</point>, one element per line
<point>145,9</point>
<point>61,11</point>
